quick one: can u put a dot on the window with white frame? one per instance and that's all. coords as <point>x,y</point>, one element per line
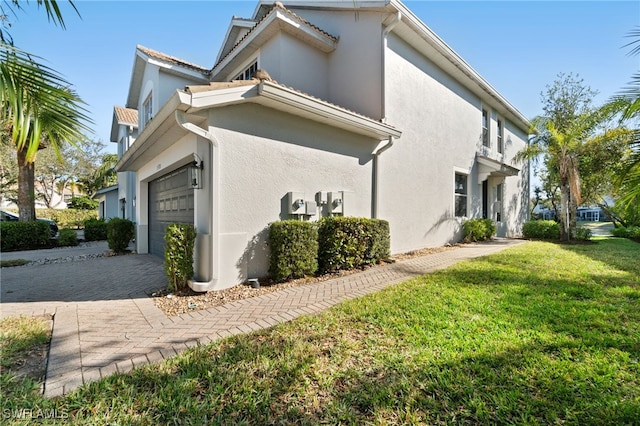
<point>485,127</point>
<point>498,204</point>
<point>147,109</point>
<point>247,73</point>
<point>500,136</point>
<point>460,195</point>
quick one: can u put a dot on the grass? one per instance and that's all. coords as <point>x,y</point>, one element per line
<point>13,262</point>
<point>17,337</point>
<point>538,334</point>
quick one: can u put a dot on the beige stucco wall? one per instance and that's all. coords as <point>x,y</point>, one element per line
<point>263,159</point>
<point>293,63</point>
<point>355,67</point>
<point>441,124</point>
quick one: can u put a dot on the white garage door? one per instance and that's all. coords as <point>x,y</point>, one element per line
<point>170,201</point>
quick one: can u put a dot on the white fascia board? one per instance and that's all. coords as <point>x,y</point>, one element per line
<point>232,32</point>
<point>218,98</point>
<point>256,38</point>
<point>317,110</point>
<point>137,73</point>
<point>311,36</point>
<point>178,70</point>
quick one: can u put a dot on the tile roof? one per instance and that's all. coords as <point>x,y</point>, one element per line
<point>276,6</point>
<point>172,59</point>
<point>255,81</point>
<point>126,115</point>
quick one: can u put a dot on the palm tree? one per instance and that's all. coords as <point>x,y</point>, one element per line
<point>628,103</point>
<point>39,108</point>
<point>561,145</point>
<point>37,105</point>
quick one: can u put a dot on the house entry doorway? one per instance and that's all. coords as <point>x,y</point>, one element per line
<point>170,201</point>
<point>485,199</point>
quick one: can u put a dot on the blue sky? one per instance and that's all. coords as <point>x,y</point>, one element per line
<point>519,47</point>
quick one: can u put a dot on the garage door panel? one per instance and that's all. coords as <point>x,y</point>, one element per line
<point>171,200</point>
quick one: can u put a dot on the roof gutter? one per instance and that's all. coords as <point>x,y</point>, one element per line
<point>211,244</point>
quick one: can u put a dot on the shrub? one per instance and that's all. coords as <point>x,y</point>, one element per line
<point>120,232</point>
<point>67,237</point>
<point>294,249</point>
<point>478,230</point>
<point>541,229</point>
<point>24,235</point>
<point>632,232</point>
<point>68,218</point>
<point>178,254</point>
<point>583,234</point>
<point>83,203</point>
<point>95,229</point>
<point>348,242</point>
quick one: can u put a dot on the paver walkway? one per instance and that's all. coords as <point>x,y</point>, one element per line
<point>105,323</point>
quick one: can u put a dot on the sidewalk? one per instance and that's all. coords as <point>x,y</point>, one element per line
<point>105,323</point>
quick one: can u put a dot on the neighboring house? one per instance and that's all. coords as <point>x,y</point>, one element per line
<point>108,203</point>
<point>315,109</point>
<point>124,130</point>
<point>57,199</point>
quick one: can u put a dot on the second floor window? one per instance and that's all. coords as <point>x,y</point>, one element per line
<point>485,127</point>
<point>500,136</point>
<point>147,110</point>
<point>248,73</point>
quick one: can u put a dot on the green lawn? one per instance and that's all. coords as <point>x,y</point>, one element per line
<point>538,334</point>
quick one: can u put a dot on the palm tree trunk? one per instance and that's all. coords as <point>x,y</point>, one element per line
<point>565,233</point>
<point>26,191</point>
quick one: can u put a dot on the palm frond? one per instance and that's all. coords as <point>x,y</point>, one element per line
<point>635,34</point>
<point>37,102</point>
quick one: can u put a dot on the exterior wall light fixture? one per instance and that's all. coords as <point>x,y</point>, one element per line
<point>195,175</point>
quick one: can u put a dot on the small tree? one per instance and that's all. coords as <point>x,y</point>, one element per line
<point>560,135</point>
<point>178,254</point>
<point>120,232</point>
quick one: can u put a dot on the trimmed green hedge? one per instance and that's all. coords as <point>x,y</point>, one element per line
<point>24,235</point>
<point>350,242</point>
<point>541,229</point>
<point>65,218</point>
<point>478,230</point>
<point>632,232</point>
<point>95,229</point>
<point>120,232</point>
<point>178,254</point>
<point>294,249</point>
<point>69,218</point>
<point>67,237</point>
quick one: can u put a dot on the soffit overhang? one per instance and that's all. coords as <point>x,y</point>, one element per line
<point>163,131</point>
<point>277,20</point>
<point>489,167</point>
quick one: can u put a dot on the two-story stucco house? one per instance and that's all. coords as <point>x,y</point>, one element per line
<point>314,108</point>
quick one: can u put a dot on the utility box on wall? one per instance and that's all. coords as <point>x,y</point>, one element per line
<point>335,202</point>
<point>311,208</point>
<point>295,203</point>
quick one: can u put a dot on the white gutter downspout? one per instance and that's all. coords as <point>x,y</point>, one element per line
<point>212,252</point>
<point>380,149</point>
<point>376,153</point>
